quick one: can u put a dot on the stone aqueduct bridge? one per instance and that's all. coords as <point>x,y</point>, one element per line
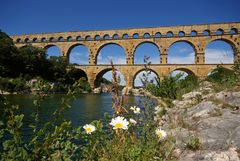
<point>198,36</point>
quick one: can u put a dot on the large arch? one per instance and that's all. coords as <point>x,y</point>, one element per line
<point>181,52</point>
<point>52,50</point>
<point>136,78</point>
<point>186,70</point>
<point>77,73</point>
<point>220,51</point>
<point>149,49</point>
<point>78,54</point>
<point>108,50</point>
<point>107,70</point>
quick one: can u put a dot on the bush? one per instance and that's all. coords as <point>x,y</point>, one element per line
<point>172,87</point>
<point>13,85</point>
<point>225,78</point>
<point>58,140</point>
<point>84,85</point>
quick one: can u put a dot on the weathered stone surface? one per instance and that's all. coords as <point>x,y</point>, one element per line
<point>95,71</point>
<point>210,155</point>
<point>203,110</point>
<point>212,120</point>
<point>232,98</point>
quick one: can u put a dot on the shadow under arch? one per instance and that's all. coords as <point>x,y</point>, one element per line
<point>143,70</point>
<point>97,80</point>
<point>77,73</point>
<point>142,43</point>
<point>110,43</point>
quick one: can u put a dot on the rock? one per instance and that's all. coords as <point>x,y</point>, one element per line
<point>232,98</point>
<point>138,92</point>
<point>219,132</point>
<point>184,103</point>
<point>210,155</point>
<point>176,153</point>
<point>97,90</point>
<point>126,90</point>
<point>4,92</point>
<point>203,110</point>
<point>191,95</point>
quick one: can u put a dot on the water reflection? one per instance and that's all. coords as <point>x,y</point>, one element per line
<point>86,108</point>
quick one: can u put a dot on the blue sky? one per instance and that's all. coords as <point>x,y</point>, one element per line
<point>28,16</point>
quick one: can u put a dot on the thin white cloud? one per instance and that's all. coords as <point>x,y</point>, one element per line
<point>189,59</point>
<point>116,60</point>
<point>218,56</point>
<point>108,76</point>
<point>138,82</point>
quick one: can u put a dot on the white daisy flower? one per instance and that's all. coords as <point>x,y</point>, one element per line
<point>134,122</point>
<point>135,109</point>
<point>119,123</point>
<point>89,128</point>
<point>160,133</point>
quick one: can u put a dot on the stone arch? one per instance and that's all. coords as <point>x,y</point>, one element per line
<point>186,41</point>
<point>88,38</point>
<point>115,36</point>
<point>27,40</point>
<point>145,42</point>
<point>53,45</point>
<point>35,39</point>
<point>104,45</point>
<point>181,33</point>
<point>106,37</point>
<point>142,70</point>
<point>228,41</point>
<point>73,46</point>
<point>146,35</point>
<point>43,39</point>
<point>219,31</point>
<point>78,38</point>
<point>78,73</point>
<point>69,38</point>
<point>233,31</point>
<point>135,35</point>
<point>206,33</point>
<point>169,34</point>
<point>52,39</point>
<point>184,69</point>
<point>97,37</point>
<point>125,36</point>
<point>19,40</point>
<point>158,34</point>
<point>193,33</point>
<point>185,57</point>
<point>61,39</point>
<point>101,73</point>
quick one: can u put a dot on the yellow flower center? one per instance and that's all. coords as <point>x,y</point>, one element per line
<point>160,134</point>
<point>118,125</point>
<point>88,129</point>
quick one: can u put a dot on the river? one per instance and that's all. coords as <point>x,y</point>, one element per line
<point>86,108</point>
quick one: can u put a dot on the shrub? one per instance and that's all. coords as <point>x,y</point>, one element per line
<point>13,85</point>
<point>224,78</point>
<point>172,86</point>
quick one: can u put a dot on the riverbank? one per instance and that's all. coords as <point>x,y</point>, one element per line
<point>205,124</point>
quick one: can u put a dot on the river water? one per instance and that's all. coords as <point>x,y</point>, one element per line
<point>86,108</point>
